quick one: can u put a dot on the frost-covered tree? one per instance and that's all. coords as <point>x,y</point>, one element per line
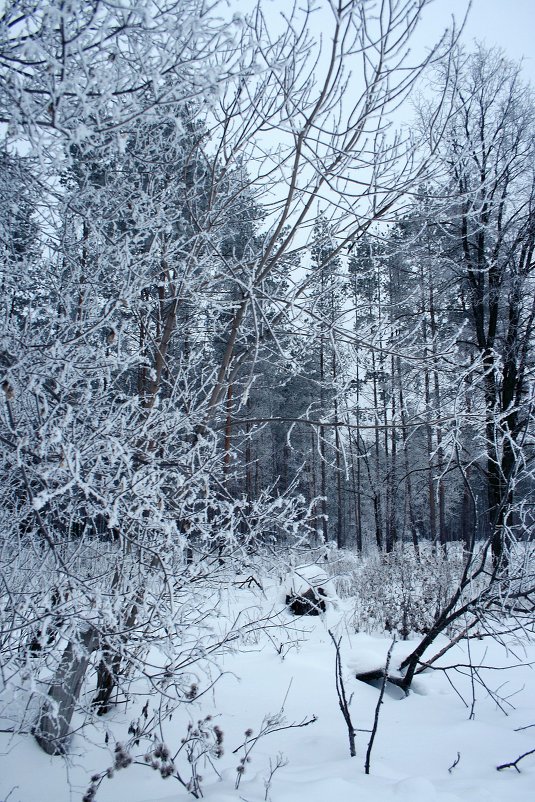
<point>151,130</point>
<point>484,224</point>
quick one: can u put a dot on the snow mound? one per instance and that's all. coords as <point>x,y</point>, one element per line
<point>304,577</point>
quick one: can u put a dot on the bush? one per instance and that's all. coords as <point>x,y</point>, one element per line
<point>399,592</point>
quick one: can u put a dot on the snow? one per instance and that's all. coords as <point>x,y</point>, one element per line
<point>305,577</point>
<point>287,672</point>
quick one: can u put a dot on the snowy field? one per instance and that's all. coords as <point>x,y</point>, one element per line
<point>442,742</point>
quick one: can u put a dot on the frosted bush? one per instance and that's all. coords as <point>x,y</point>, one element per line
<point>399,592</point>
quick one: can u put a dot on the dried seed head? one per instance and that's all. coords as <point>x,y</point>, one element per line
<point>192,692</point>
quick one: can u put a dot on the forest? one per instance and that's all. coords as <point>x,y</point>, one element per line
<point>266,356</point>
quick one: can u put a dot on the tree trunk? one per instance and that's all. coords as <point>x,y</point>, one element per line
<point>408,482</point>
<point>52,731</point>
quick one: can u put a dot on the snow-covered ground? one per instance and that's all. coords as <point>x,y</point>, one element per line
<point>288,674</point>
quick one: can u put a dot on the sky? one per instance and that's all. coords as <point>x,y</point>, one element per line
<point>508,24</point>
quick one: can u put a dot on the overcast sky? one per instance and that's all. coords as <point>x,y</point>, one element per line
<point>509,24</point>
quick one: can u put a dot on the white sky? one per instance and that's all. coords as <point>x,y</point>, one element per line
<point>508,24</point>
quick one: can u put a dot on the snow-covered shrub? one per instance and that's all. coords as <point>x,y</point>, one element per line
<point>400,592</point>
<point>344,568</point>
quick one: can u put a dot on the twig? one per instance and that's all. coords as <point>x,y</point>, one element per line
<point>342,699</point>
<point>248,582</point>
<point>281,761</point>
<point>263,732</point>
<point>270,724</point>
<point>424,665</point>
<point>377,709</point>
<point>455,762</point>
<point>473,670</point>
<point>514,763</point>
<point>463,700</point>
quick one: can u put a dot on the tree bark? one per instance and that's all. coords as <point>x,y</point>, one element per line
<point>52,731</point>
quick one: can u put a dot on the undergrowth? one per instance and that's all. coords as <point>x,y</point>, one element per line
<point>400,592</point>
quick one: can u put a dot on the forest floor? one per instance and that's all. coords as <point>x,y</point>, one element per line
<point>442,742</point>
